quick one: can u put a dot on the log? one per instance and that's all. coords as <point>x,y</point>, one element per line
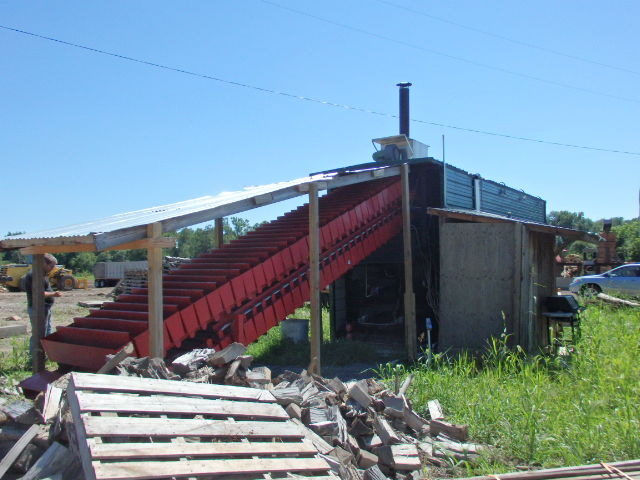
<point>359,392</point>
<point>399,457</point>
<point>618,301</point>
<point>227,354</point>
<point>384,431</point>
<point>456,432</point>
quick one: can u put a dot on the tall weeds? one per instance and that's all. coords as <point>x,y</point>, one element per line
<point>541,410</point>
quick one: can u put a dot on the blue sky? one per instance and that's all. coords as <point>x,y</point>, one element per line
<point>85,135</point>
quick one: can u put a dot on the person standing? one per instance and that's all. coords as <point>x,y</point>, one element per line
<point>49,296</point>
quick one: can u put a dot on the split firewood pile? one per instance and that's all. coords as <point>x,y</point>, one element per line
<point>361,429</point>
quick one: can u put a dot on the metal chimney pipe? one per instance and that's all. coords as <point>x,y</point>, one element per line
<point>404,107</point>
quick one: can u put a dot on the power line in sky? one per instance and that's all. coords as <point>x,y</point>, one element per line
<point>508,39</point>
<point>447,55</point>
<point>305,98</point>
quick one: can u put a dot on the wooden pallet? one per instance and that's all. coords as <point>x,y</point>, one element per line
<point>138,428</point>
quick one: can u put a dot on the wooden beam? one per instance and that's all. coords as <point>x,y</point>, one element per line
<point>410,334</point>
<point>15,451</point>
<point>219,229</point>
<point>314,278</point>
<point>115,360</point>
<point>156,323</point>
<point>11,243</point>
<point>160,242</point>
<point>38,310</point>
<point>482,217</point>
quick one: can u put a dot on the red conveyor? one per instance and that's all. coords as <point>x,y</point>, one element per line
<point>239,291</point>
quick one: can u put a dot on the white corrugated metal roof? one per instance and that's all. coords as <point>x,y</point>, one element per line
<point>157,214</point>
<point>126,227</point>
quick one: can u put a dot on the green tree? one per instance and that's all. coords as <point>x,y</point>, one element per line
<point>576,221</point>
<point>13,256</point>
<point>82,262</point>
<point>628,245</point>
<point>193,242</point>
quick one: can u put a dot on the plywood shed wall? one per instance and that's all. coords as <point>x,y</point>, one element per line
<point>493,276</point>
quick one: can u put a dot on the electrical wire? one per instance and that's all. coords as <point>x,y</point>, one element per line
<point>453,57</point>
<point>509,39</point>
<point>308,99</point>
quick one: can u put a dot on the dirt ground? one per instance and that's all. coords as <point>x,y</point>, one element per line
<point>64,309</point>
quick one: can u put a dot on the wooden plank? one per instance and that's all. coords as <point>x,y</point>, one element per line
<point>111,451</point>
<point>17,449</point>
<point>51,403</point>
<point>53,461</point>
<point>124,352</point>
<point>314,279</point>
<point>80,431</point>
<point>318,442</point>
<point>154,285</point>
<point>112,383</point>
<point>219,232</point>
<point>410,335</point>
<point>161,242</point>
<point>115,402</point>
<point>37,296</point>
<point>435,410</point>
<point>143,470</point>
<point>147,427</point>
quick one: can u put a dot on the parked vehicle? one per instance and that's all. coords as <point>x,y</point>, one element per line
<point>623,280</point>
<point>108,274</point>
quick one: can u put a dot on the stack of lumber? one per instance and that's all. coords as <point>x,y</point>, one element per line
<point>169,263</point>
<point>132,279</point>
<point>138,278</point>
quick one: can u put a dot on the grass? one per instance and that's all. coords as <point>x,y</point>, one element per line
<point>15,365</point>
<point>274,349</point>
<point>542,411</point>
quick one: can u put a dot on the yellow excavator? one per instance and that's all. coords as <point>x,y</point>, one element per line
<point>12,276</point>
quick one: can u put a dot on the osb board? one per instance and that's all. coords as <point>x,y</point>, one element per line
<point>138,428</point>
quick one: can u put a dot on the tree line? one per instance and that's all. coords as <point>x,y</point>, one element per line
<point>627,233</point>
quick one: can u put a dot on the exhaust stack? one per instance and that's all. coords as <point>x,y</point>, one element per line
<point>404,108</point>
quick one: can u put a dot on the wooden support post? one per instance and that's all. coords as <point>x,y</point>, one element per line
<point>219,228</point>
<point>314,278</point>
<point>37,305</point>
<point>156,323</point>
<point>410,335</point>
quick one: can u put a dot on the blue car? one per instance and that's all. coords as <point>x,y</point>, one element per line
<point>623,280</point>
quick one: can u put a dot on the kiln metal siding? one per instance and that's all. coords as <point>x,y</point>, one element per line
<point>459,188</point>
<point>502,200</point>
<point>495,197</point>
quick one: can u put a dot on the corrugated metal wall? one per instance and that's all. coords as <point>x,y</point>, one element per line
<point>495,197</point>
<point>503,200</point>
<point>459,188</point>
